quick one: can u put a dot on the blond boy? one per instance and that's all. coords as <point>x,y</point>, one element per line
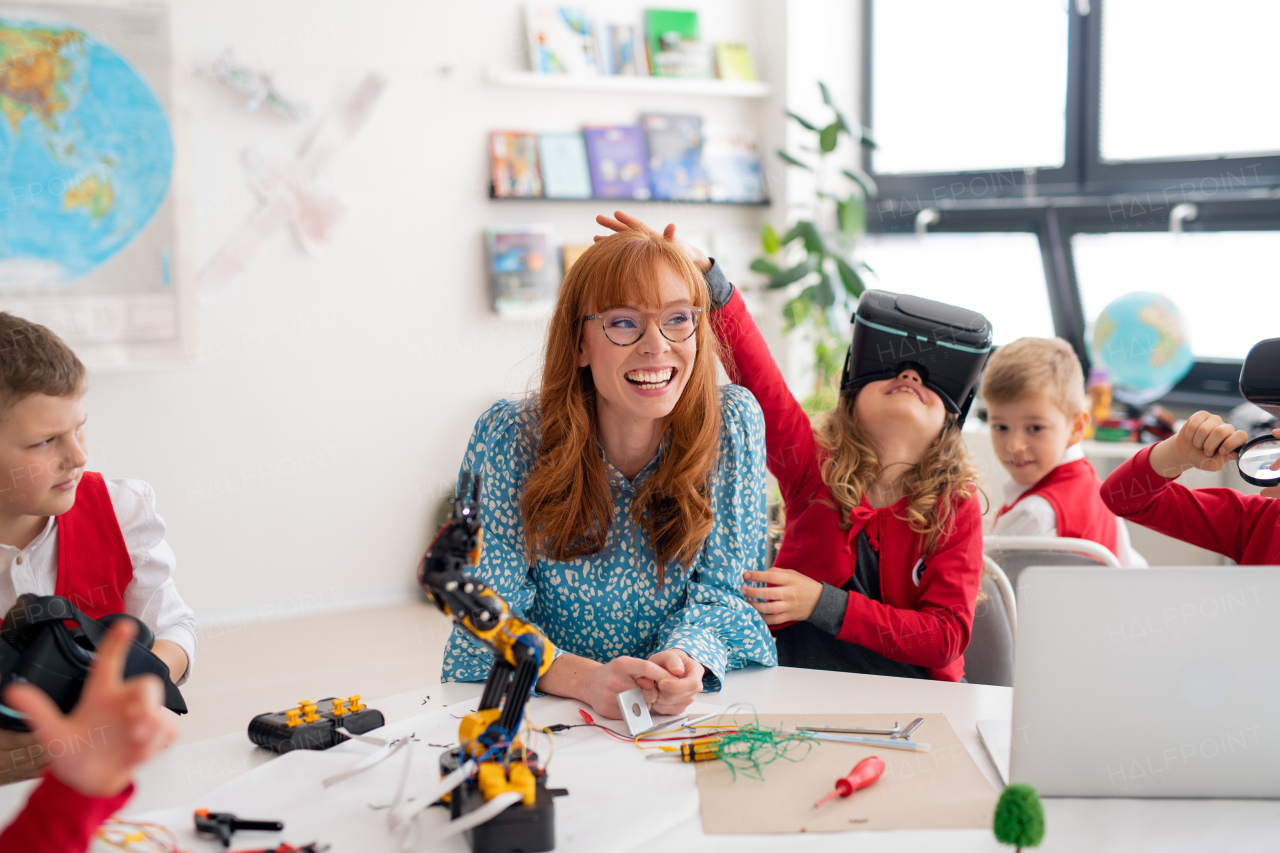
<point>1034,390</point>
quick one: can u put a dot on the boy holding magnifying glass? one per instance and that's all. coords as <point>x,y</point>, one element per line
<point>1245,528</point>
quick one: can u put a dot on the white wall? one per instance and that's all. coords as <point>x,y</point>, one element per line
<point>824,43</point>
<point>300,462</point>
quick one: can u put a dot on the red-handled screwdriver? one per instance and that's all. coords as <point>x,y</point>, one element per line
<point>863,774</point>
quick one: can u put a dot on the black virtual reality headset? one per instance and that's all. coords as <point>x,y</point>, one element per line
<point>47,642</point>
<point>946,345</point>
<point>1260,385</point>
<point>1260,376</point>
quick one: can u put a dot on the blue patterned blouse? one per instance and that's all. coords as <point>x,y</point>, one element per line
<point>609,604</point>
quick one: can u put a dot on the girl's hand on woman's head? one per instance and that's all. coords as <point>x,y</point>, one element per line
<point>677,691</point>
<point>619,675</point>
<point>790,596</point>
<point>622,221</point>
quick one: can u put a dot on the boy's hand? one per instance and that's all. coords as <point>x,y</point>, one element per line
<point>114,727</point>
<point>621,221</point>
<point>677,692</point>
<point>791,596</point>
<point>1204,442</point>
<point>173,656</point>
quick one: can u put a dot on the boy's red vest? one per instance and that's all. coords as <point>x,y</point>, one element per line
<point>1075,493</point>
<point>93,562</point>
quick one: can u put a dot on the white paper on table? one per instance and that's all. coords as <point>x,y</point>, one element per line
<point>617,800</point>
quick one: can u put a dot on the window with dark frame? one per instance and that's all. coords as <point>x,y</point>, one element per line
<point>1125,201</point>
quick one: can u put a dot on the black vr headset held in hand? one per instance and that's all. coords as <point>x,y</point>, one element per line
<point>946,345</point>
<point>38,646</point>
<point>1260,385</point>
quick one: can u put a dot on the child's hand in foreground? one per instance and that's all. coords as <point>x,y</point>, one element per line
<point>115,726</point>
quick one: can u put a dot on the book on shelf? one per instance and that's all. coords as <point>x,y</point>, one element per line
<point>522,274</point>
<point>570,252</point>
<point>621,50</point>
<point>675,44</point>
<point>731,161</point>
<point>560,40</point>
<point>733,61</point>
<point>513,157</point>
<point>563,161</point>
<point>618,158</point>
<point>675,156</point>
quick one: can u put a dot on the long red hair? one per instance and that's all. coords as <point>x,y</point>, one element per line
<point>568,503</point>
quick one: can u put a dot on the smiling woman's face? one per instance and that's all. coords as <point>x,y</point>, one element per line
<point>900,408</point>
<point>643,381</point>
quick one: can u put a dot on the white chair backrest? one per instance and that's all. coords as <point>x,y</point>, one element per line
<point>989,656</point>
<point>1001,580</point>
<point>1060,544</point>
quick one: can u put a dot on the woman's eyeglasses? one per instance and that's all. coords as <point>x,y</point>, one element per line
<point>624,327</point>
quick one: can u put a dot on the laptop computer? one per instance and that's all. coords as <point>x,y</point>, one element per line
<point>1163,682</point>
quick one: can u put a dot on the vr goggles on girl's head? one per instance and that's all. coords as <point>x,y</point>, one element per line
<point>946,345</point>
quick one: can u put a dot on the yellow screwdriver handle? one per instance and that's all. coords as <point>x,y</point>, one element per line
<point>700,751</point>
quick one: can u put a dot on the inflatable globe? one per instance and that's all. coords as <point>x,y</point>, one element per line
<point>1140,339</point>
<point>86,153</point>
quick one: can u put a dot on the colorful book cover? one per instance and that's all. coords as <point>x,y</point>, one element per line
<point>514,159</point>
<point>732,164</point>
<point>675,45</point>
<point>733,61</point>
<point>562,158</point>
<point>618,159</point>
<point>522,274</point>
<point>675,156</point>
<point>560,40</point>
<point>569,253</point>
<point>621,50</point>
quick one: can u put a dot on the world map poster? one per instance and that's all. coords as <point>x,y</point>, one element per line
<point>89,231</point>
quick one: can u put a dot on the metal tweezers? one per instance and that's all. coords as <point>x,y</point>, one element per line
<point>853,730</point>
<point>897,732</point>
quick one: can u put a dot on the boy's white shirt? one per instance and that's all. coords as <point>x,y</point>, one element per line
<point>151,596</point>
<point>1034,516</point>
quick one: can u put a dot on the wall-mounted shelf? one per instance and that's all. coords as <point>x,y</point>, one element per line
<point>625,201</point>
<point>635,85</point>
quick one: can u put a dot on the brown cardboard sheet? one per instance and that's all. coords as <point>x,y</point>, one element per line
<point>939,789</point>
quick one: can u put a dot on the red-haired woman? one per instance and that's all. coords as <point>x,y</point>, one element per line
<point>625,499</point>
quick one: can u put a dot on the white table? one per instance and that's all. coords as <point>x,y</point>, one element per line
<point>186,773</point>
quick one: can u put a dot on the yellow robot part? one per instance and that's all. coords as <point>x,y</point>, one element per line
<point>494,780</point>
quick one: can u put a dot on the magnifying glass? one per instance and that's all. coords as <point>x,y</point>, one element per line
<point>1259,461</point>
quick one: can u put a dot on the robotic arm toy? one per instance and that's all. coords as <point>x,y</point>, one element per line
<point>521,655</point>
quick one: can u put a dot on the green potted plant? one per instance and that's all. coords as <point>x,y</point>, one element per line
<point>816,254</point>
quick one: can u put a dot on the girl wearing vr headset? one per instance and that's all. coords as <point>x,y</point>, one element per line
<point>883,543</point>
<point>623,501</point>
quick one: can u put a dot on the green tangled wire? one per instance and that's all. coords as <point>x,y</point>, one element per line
<point>753,746</point>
